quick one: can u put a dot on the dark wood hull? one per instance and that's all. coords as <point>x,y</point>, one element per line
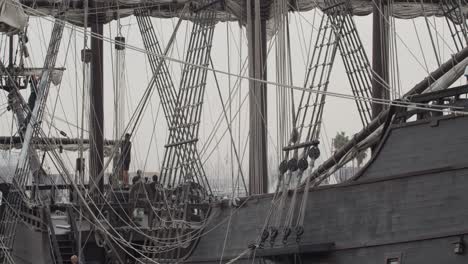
<point>415,212</point>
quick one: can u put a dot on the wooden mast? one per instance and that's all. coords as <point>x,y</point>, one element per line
<point>379,56</point>
<point>256,35</point>
<point>96,150</point>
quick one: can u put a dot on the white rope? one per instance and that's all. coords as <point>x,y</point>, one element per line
<point>333,94</point>
<point>243,253</point>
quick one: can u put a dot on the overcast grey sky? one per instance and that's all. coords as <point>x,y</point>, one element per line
<point>414,52</point>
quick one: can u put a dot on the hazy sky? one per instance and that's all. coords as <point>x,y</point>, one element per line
<point>414,53</point>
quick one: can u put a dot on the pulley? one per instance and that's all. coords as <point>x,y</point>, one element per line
<point>299,233</point>
<point>86,55</point>
<point>292,164</point>
<point>287,232</point>
<point>303,164</point>
<point>283,167</point>
<point>273,234</point>
<point>119,43</point>
<point>314,152</point>
<point>265,235</point>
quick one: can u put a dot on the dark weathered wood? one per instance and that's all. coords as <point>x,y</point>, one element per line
<point>426,97</point>
<point>367,219</point>
<point>96,112</point>
<point>379,55</point>
<point>295,249</point>
<point>412,148</point>
<point>301,145</point>
<point>257,48</point>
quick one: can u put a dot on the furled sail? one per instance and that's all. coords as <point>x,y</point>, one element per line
<point>12,17</point>
<point>230,9</point>
<point>67,144</point>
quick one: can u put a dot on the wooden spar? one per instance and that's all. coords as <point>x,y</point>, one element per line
<point>256,34</point>
<point>96,149</point>
<point>52,140</point>
<point>435,75</point>
<point>377,121</point>
<point>379,56</point>
<point>449,78</point>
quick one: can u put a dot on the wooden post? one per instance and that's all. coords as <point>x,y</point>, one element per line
<point>256,34</point>
<point>379,56</point>
<point>96,149</point>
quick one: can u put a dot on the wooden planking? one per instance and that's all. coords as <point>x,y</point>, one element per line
<point>436,251</point>
<point>414,148</point>
<point>358,215</point>
<point>31,246</point>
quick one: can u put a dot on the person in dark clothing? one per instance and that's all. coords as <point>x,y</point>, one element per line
<point>126,150</point>
<point>155,195</point>
<point>155,179</point>
<point>34,81</point>
<point>138,177</point>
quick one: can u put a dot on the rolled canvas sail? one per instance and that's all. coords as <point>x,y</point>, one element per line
<point>231,10</point>
<point>12,17</point>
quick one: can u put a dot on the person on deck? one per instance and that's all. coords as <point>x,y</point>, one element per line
<point>155,182</point>
<point>74,259</point>
<point>33,96</point>
<point>154,191</point>
<point>138,177</point>
<point>137,193</point>
<point>126,150</point>
<point>34,81</point>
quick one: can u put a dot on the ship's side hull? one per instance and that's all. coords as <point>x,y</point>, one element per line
<point>413,217</point>
<point>416,217</point>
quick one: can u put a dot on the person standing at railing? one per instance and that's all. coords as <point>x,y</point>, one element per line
<point>126,151</point>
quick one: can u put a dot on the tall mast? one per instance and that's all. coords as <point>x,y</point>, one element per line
<point>10,54</point>
<point>119,97</point>
<point>256,35</point>
<point>96,150</point>
<point>379,55</point>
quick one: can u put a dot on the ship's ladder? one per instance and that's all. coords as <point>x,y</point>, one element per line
<point>456,22</point>
<point>179,217</point>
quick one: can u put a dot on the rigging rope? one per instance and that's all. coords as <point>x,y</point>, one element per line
<point>26,159</point>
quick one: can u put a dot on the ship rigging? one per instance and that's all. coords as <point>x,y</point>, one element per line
<point>178,217</point>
